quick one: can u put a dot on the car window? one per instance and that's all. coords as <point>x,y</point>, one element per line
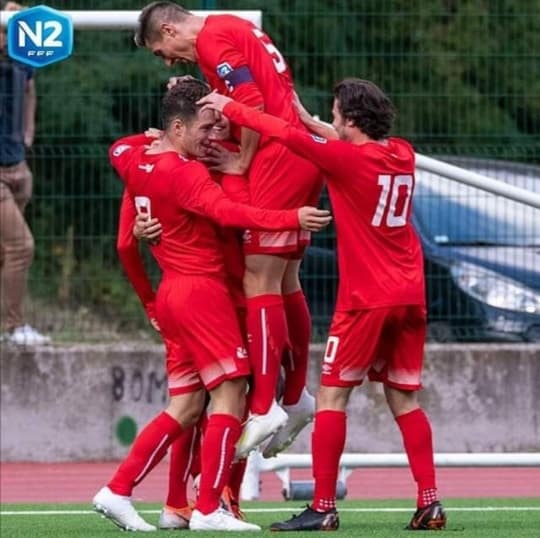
<point>452,213</point>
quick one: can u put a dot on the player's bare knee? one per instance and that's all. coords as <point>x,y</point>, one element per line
<point>187,408</point>
<point>401,401</point>
<point>333,398</point>
<point>229,397</point>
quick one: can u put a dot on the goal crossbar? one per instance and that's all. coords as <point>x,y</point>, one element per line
<point>127,20</point>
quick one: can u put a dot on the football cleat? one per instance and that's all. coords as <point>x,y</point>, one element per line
<point>230,503</point>
<point>309,520</point>
<point>429,518</point>
<point>258,428</point>
<point>219,520</point>
<point>120,511</point>
<point>174,518</point>
<point>300,414</point>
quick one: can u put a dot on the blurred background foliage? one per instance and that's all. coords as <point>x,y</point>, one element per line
<point>464,75</point>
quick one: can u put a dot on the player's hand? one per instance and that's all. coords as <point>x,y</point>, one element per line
<point>313,219</point>
<point>214,101</point>
<point>173,81</point>
<point>305,116</point>
<point>146,229</point>
<point>222,160</point>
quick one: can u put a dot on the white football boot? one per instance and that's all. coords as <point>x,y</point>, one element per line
<point>300,415</point>
<point>258,428</point>
<point>120,511</point>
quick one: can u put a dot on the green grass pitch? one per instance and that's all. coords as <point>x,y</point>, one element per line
<point>467,518</point>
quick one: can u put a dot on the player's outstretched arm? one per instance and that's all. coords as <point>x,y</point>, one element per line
<point>332,156</point>
<point>315,125</point>
<point>131,260</point>
<point>198,193</point>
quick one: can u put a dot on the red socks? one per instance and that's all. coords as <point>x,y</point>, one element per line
<point>217,452</point>
<point>295,362</point>
<point>183,452</point>
<point>416,433</point>
<point>327,444</point>
<point>267,337</point>
<point>147,451</point>
<point>238,470</point>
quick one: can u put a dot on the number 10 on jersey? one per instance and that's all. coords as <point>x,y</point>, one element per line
<point>391,193</point>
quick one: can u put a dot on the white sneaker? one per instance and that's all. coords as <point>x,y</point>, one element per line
<point>120,511</point>
<point>219,520</point>
<point>28,336</point>
<point>300,414</point>
<point>174,519</point>
<point>258,428</point>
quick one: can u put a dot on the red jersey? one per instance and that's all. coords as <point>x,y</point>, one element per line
<point>236,188</point>
<point>181,194</point>
<point>370,187</point>
<point>239,59</point>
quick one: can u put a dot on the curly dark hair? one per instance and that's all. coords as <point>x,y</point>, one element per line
<point>366,105</point>
<point>152,16</point>
<point>180,102</point>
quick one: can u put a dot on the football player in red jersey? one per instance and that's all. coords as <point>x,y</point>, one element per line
<point>379,325</point>
<point>193,306</point>
<point>240,60</point>
<point>185,451</point>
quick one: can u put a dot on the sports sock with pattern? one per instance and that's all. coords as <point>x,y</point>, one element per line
<point>417,440</point>
<point>295,361</point>
<point>147,451</point>
<point>217,451</point>
<point>327,444</point>
<point>182,456</point>
<point>267,337</point>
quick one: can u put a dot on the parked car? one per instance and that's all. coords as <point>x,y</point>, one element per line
<point>481,254</point>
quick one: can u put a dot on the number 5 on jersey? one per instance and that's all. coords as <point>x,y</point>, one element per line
<point>391,193</point>
<point>277,57</point>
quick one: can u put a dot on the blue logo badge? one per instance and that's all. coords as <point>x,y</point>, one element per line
<point>224,69</point>
<point>39,36</point>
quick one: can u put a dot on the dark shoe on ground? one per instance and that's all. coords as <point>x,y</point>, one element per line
<point>309,520</point>
<point>430,518</point>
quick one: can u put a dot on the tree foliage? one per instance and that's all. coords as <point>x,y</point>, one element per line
<point>463,74</point>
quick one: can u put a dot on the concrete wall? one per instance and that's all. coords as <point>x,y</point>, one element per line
<point>65,403</point>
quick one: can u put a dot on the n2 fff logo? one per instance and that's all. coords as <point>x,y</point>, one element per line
<point>39,36</point>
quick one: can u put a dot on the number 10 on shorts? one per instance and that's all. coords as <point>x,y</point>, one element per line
<point>331,349</point>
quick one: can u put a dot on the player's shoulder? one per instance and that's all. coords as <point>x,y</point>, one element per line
<point>225,22</point>
<point>402,143</point>
<point>170,160</point>
<point>183,168</point>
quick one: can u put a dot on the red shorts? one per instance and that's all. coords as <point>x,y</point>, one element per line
<point>182,376</point>
<point>200,327</point>
<point>290,244</point>
<point>280,179</point>
<point>387,344</point>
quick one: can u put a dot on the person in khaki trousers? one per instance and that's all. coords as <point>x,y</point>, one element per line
<point>17,122</point>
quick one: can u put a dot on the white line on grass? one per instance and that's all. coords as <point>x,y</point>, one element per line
<point>269,510</point>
